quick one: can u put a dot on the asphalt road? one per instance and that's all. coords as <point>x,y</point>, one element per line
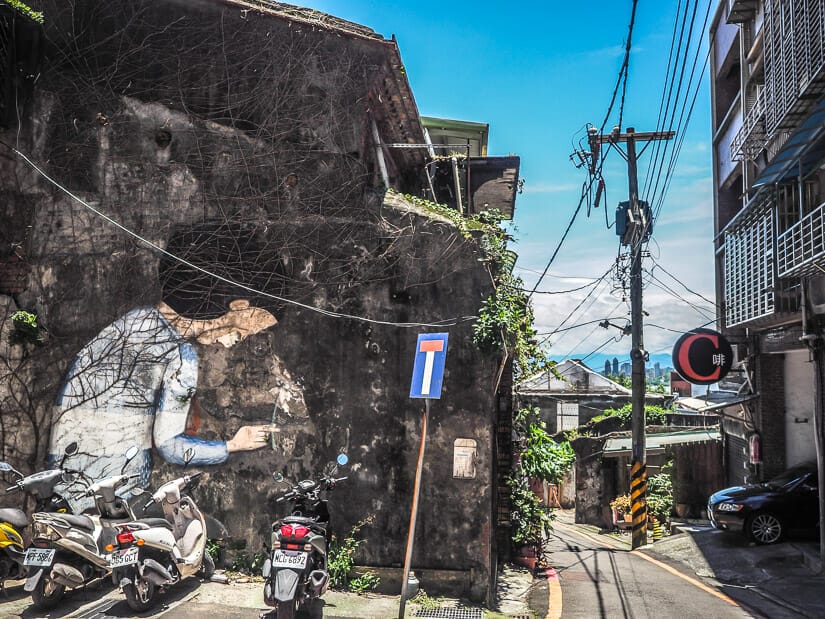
<point>600,580</point>
<point>190,599</point>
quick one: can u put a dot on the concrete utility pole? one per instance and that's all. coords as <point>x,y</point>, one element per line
<point>636,233</point>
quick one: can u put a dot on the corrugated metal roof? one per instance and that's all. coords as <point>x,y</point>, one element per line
<point>623,445</point>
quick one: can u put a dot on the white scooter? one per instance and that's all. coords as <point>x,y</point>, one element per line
<point>150,554</point>
<point>67,549</point>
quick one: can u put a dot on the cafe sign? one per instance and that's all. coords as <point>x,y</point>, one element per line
<point>702,356</point>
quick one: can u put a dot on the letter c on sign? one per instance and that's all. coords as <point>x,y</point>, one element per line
<point>702,356</point>
<point>684,358</point>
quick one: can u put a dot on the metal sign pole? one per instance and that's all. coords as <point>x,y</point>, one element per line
<point>414,510</point>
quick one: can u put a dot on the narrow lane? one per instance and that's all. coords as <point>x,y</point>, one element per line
<point>598,580</point>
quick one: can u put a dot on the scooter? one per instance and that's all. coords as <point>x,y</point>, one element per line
<point>67,550</point>
<point>43,487</point>
<point>151,554</point>
<point>295,573</point>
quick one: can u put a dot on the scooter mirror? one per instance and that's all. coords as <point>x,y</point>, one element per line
<point>130,455</point>
<point>278,477</point>
<point>342,459</point>
<point>71,449</point>
<point>5,466</point>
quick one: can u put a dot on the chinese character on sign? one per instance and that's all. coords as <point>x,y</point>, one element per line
<point>719,360</point>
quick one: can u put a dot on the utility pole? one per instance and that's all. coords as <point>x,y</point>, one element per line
<point>635,233</point>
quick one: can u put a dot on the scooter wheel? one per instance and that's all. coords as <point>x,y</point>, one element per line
<point>207,566</point>
<point>140,595</point>
<point>47,593</point>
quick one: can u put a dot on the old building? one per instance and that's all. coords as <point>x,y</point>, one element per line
<point>767,84</point>
<point>253,140</point>
<point>571,394</point>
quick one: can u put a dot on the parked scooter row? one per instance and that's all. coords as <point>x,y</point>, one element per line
<point>146,555</point>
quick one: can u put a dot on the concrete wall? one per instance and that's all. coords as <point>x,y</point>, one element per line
<point>799,411</point>
<point>218,114</point>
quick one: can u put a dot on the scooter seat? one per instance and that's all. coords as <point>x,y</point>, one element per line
<point>15,517</point>
<point>156,522</point>
<point>75,520</point>
<point>300,520</point>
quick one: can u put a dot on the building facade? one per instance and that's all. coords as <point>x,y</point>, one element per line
<point>767,62</point>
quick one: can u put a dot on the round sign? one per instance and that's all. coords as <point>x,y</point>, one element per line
<point>702,357</point>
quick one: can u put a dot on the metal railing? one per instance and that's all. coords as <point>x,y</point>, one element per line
<point>800,250</point>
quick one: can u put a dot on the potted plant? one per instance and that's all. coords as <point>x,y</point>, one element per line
<point>621,507</point>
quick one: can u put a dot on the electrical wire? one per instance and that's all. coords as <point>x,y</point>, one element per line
<point>440,323</point>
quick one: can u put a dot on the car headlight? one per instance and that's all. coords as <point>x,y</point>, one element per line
<point>729,507</point>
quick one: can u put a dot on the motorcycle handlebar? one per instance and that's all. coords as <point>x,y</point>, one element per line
<point>12,488</point>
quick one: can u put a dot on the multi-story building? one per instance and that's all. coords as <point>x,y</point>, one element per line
<point>768,120</point>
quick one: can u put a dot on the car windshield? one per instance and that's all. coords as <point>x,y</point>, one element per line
<point>789,477</point>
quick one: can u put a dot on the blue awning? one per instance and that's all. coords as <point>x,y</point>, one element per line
<point>804,147</point>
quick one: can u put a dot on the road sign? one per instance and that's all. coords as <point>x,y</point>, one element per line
<point>428,371</point>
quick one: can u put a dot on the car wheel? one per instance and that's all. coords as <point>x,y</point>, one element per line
<point>764,528</point>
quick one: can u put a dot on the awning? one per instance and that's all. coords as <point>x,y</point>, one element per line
<point>804,147</point>
<point>656,443</point>
<point>714,402</point>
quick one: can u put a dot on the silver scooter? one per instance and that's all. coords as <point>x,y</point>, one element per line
<point>67,550</point>
<point>151,554</point>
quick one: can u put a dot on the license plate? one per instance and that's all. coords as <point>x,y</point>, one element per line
<point>289,558</point>
<point>39,557</point>
<point>127,556</point>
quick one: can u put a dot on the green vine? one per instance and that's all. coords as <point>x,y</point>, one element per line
<point>26,328</point>
<point>505,320</point>
<point>25,10</point>
<point>540,457</point>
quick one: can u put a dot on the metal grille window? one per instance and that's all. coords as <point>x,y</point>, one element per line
<point>794,59</point>
<point>749,270</point>
<point>568,416</point>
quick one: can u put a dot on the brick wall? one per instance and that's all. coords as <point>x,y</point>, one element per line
<point>770,414</point>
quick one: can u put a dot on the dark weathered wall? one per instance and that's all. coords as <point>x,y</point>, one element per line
<point>165,115</point>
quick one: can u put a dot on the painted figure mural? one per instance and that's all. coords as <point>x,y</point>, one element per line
<point>135,383</point>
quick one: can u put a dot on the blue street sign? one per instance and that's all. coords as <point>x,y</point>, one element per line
<point>428,371</point>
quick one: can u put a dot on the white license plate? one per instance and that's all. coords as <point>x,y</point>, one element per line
<point>127,556</point>
<point>289,558</point>
<point>39,557</point>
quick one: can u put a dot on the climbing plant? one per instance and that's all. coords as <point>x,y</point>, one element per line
<point>539,457</point>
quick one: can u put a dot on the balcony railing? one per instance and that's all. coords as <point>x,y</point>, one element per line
<point>794,60</point>
<point>754,294</point>
<point>800,250</point>
<point>751,138</point>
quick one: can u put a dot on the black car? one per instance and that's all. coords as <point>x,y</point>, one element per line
<point>765,512</point>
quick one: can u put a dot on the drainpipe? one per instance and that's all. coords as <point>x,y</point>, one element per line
<point>457,185</point>
<point>379,154</point>
<point>427,171</point>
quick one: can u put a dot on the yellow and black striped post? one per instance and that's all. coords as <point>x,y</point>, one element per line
<point>638,503</point>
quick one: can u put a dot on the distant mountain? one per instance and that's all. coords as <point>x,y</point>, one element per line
<point>596,361</point>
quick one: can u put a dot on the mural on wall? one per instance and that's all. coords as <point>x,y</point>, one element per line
<point>136,382</point>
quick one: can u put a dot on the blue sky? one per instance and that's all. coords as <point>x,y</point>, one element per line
<point>537,72</point>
